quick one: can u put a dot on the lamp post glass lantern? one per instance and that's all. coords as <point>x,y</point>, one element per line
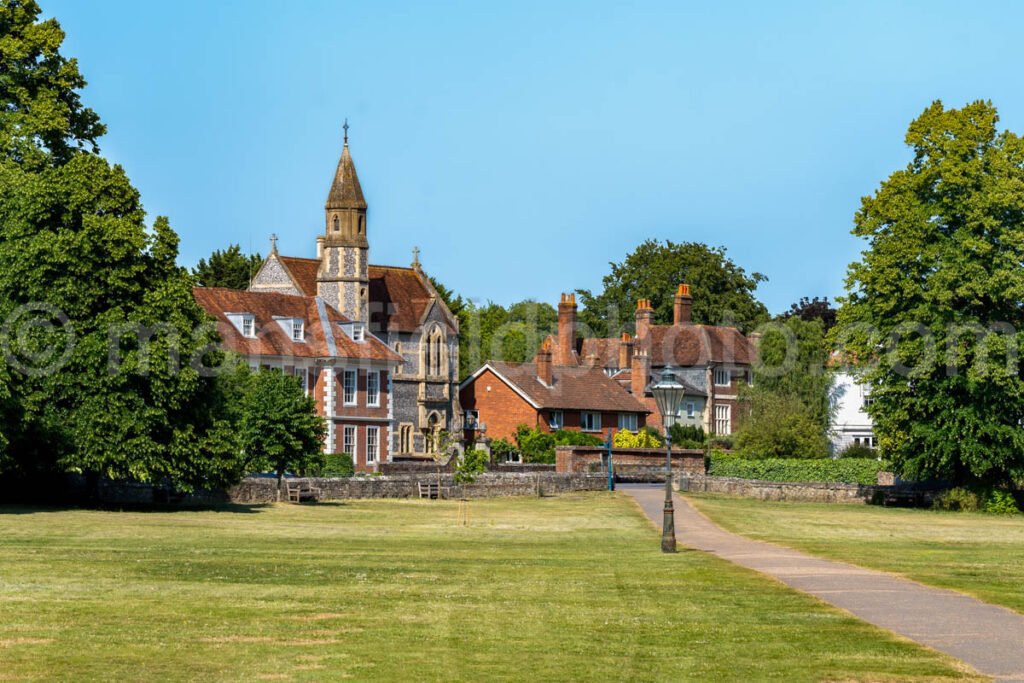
<point>668,394</point>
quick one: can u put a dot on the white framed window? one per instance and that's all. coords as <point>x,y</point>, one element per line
<point>628,421</point>
<point>348,440</point>
<point>348,385</point>
<point>373,388</point>
<point>556,419</point>
<point>691,409</point>
<point>248,326</point>
<point>868,441</point>
<point>298,329</point>
<point>372,444</point>
<point>303,375</point>
<point>358,333</point>
<point>722,378</point>
<point>723,420</point>
<point>590,422</point>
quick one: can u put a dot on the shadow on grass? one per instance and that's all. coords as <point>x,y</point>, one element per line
<point>232,508</point>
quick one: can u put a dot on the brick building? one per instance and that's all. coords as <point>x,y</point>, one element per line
<point>398,306</point>
<point>348,371</point>
<point>501,396</point>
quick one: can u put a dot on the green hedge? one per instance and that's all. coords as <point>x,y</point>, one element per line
<point>824,470</point>
<point>338,465</point>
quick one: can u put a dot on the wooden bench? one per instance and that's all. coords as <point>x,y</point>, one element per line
<point>300,492</point>
<point>430,490</point>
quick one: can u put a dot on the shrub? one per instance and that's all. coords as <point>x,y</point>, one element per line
<point>856,450</point>
<point>535,445</point>
<point>337,465</point>
<point>566,437</point>
<point>824,470</point>
<point>502,448</point>
<point>687,436</point>
<point>781,426</point>
<point>964,499</point>
<point>641,439</point>
<point>1000,502</point>
<point>958,500</point>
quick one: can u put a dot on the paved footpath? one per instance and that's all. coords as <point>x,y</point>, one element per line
<point>987,637</point>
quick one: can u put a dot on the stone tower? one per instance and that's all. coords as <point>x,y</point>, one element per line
<point>343,279</point>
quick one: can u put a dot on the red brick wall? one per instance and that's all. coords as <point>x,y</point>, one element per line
<point>580,458</point>
<point>500,408</point>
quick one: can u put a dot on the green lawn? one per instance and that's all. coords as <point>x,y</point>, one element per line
<point>974,553</point>
<point>568,588</point>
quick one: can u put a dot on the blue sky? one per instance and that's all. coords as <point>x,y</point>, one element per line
<point>525,145</point>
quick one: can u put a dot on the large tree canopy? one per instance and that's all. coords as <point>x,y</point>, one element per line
<point>103,339</point>
<point>722,291</point>
<point>934,307</point>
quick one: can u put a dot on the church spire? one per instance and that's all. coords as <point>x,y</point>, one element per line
<point>345,190</point>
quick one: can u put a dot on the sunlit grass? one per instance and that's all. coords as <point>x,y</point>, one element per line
<point>568,588</point>
<point>974,553</point>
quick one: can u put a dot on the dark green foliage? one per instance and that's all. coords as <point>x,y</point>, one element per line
<point>977,499</point>
<point>855,450</point>
<point>42,119</point>
<point>472,463</point>
<point>502,448</point>
<point>112,387</point>
<point>338,465</point>
<point>229,268</point>
<point>941,272</point>
<point>687,436</point>
<point>537,446</point>
<point>788,408</point>
<point>279,429</point>
<point>813,309</point>
<point>843,471</point>
<point>722,291</point>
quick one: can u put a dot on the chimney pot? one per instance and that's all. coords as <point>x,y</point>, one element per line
<point>683,308</point>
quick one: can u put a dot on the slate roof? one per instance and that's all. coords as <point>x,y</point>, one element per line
<point>573,388</point>
<point>272,340</point>
<point>398,297</point>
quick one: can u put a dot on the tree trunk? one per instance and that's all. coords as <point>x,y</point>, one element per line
<point>280,484</point>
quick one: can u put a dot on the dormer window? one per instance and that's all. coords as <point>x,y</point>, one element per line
<point>248,325</point>
<point>298,329</point>
<point>355,331</point>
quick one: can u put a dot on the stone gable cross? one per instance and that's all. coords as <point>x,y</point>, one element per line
<point>273,242</point>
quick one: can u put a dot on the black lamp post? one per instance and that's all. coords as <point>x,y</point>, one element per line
<point>668,394</point>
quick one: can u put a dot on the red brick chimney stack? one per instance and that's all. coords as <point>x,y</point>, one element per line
<point>644,315</point>
<point>683,305</point>
<point>625,351</point>
<point>565,354</point>
<point>543,360</point>
<point>639,372</point>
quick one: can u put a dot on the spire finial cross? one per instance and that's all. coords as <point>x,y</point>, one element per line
<point>415,257</point>
<point>273,242</point>
<point>346,130</point>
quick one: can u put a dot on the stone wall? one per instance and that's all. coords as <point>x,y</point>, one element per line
<point>628,462</point>
<point>264,489</point>
<point>777,490</point>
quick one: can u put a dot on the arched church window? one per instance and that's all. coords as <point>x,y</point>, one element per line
<point>335,225</point>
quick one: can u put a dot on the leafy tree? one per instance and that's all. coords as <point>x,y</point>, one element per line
<point>279,428</point>
<point>723,291</point>
<point>472,463</point>
<point>42,121</point>
<point>104,340</point>
<point>791,383</point>
<point>229,268</point>
<point>813,309</point>
<point>933,307</point>
<point>779,426</point>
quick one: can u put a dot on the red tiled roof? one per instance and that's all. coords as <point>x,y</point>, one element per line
<point>398,297</point>
<point>573,388</point>
<point>696,345</point>
<point>271,339</point>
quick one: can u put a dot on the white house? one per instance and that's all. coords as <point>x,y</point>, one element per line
<point>851,425</point>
